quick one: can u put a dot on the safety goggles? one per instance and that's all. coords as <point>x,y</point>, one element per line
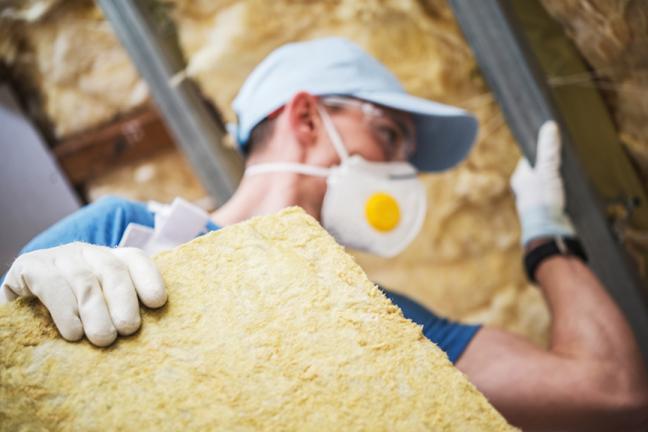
<point>393,135</point>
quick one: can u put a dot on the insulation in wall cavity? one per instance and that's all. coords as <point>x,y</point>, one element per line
<point>70,61</point>
<point>612,36</point>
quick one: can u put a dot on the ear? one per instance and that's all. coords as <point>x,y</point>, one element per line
<point>303,118</point>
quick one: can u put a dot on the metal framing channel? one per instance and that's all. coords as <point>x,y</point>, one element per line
<point>198,130</point>
<point>519,48</point>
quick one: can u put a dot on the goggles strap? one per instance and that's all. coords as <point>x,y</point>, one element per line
<point>333,134</point>
<point>298,168</point>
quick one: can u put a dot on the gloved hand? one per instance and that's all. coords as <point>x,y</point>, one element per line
<point>88,288</point>
<point>539,191</point>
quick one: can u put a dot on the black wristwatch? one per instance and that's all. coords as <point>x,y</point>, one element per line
<point>555,246</point>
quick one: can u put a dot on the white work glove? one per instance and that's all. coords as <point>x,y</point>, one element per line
<point>539,191</point>
<point>88,288</point>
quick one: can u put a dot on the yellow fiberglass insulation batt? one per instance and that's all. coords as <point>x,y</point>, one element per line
<point>270,325</point>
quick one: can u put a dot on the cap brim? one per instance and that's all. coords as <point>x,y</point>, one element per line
<point>444,134</point>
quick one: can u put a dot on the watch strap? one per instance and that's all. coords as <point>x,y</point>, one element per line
<point>568,246</point>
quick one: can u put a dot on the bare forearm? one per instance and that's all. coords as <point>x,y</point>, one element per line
<point>589,330</point>
<point>591,378</point>
<point>586,321</point>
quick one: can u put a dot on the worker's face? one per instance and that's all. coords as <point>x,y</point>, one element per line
<point>376,133</point>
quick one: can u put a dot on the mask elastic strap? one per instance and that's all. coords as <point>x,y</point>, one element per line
<point>298,168</point>
<point>287,167</point>
<point>333,134</point>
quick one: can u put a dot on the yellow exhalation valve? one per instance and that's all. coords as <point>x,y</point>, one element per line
<point>382,212</point>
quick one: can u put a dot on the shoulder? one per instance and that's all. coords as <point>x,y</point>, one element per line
<point>115,210</point>
<point>102,222</point>
<point>451,336</point>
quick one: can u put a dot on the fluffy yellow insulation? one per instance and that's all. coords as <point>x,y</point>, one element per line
<point>611,36</point>
<point>270,325</point>
<point>76,66</point>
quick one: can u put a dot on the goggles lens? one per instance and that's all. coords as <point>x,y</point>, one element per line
<point>394,135</point>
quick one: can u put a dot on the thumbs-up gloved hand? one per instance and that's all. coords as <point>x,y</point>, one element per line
<point>539,191</point>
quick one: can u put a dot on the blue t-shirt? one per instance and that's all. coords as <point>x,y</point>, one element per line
<point>104,222</point>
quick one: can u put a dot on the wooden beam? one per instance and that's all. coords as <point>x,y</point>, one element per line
<point>89,154</point>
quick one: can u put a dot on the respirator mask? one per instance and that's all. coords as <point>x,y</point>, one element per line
<point>376,207</point>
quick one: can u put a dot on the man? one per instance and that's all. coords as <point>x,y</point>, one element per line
<point>326,127</point>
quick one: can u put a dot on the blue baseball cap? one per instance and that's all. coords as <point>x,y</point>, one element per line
<point>335,66</point>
